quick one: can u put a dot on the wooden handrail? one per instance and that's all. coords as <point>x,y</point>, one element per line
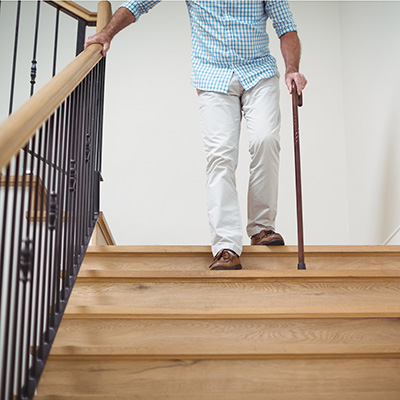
<point>71,8</point>
<point>16,131</point>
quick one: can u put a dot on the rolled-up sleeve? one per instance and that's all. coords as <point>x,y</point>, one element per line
<point>137,8</point>
<point>281,16</point>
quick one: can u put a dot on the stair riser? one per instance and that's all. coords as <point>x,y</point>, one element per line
<point>263,261</point>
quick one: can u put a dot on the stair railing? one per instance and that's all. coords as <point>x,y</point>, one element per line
<point>50,163</point>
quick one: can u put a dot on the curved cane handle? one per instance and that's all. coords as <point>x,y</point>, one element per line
<point>299,99</point>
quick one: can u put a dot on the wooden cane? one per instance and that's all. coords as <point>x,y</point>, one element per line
<point>297,101</point>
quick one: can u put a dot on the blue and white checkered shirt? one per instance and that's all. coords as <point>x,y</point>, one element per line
<point>230,36</point>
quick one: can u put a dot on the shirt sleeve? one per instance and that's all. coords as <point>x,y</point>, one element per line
<point>139,7</point>
<point>281,16</point>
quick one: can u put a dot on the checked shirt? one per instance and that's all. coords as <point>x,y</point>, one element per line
<point>229,36</point>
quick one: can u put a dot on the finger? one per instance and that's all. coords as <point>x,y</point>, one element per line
<point>289,85</point>
<point>106,47</point>
<point>300,84</point>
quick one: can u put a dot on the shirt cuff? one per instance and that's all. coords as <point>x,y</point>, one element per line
<point>137,8</point>
<point>281,30</point>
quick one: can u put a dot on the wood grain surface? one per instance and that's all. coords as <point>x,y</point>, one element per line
<point>361,379</point>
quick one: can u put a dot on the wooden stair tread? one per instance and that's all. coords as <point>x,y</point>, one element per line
<point>92,275</point>
<point>228,338</point>
<point>170,258</point>
<point>360,379</point>
<point>231,312</point>
<point>254,298</point>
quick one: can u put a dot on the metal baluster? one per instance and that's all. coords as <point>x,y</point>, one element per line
<point>78,192</point>
<point>85,161</point>
<point>25,267</point>
<point>35,319</point>
<point>31,326</point>
<point>18,280</point>
<point>67,189</point>
<point>56,41</point>
<point>78,166</point>
<point>53,222</point>
<point>64,193</point>
<point>60,223</point>
<point>72,182</point>
<point>4,350</point>
<point>89,149</point>
<point>42,252</point>
<point>35,43</point>
<point>80,35</point>
<point>13,289</point>
<point>14,65</point>
<point>48,234</point>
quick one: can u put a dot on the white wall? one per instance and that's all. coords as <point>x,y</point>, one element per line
<point>154,184</point>
<point>371,81</point>
<point>154,163</point>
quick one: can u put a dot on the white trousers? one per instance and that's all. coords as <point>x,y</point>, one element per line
<point>220,118</point>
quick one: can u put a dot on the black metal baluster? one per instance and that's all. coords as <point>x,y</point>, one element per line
<point>85,154</point>
<point>78,191</point>
<point>89,151</point>
<point>61,220</point>
<point>56,41</point>
<point>66,195</point>
<point>101,117</point>
<point>43,347</point>
<point>14,65</point>
<point>25,267</point>
<point>80,35</point>
<point>4,351</point>
<point>49,233</point>
<point>35,319</point>
<point>13,283</point>
<point>54,217</point>
<point>20,242</point>
<point>35,43</point>
<point>31,232</point>
<point>71,187</point>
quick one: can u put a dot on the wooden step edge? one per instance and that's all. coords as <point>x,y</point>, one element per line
<point>247,250</point>
<point>92,276</point>
<point>287,356</point>
<point>128,312</point>
<point>230,350</point>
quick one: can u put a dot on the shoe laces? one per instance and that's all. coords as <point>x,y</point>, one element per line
<point>224,253</point>
<point>266,233</point>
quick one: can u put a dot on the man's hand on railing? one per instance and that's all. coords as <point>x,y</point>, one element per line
<point>121,19</point>
<point>100,38</point>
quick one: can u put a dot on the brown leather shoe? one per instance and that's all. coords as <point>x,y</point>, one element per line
<point>267,238</point>
<point>226,259</point>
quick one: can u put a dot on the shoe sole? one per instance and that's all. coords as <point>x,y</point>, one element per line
<point>236,267</point>
<point>271,243</point>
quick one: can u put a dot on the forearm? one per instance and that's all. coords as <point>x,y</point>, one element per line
<point>120,20</point>
<point>291,51</point>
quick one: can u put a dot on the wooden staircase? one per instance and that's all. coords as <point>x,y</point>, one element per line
<point>154,323</point>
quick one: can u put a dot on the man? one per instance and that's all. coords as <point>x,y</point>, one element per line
<point>234,74</point>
